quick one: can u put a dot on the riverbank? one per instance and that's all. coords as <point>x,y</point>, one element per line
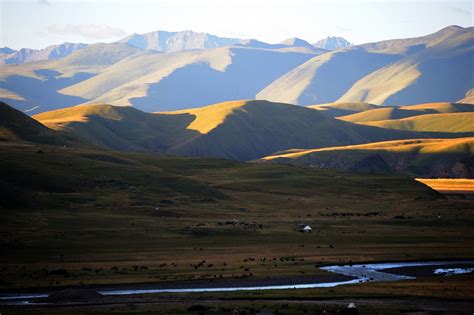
<point>428,295</point>
<point>300,291</point>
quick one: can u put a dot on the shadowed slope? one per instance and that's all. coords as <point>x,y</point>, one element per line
<point>15,125</point>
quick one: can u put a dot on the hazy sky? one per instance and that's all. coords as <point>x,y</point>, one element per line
<point>39,23</point>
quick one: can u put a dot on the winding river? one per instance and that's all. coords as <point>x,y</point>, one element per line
<point>359,272</point>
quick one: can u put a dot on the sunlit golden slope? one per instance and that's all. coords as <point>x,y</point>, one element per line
<point>419,145</point>
<point>419,157</point>
<point>449,185</point>
<point>386,113</point>
<point>450,122</point>
<point>209,117</point>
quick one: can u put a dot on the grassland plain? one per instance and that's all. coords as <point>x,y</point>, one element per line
<point>88,216</point>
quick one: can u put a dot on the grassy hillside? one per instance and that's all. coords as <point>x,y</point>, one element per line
<point>399,112</point>
<point>450,123</point>
<point>121,128</point>
<point>416,157</point>
<point>343,109</point>
<point>66,211</point>
<point>381,114</point>
<point>240,130</point>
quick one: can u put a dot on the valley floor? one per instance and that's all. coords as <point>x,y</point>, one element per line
<point>75,217</point>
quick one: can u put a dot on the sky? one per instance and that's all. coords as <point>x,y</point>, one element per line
<point>39,23</point>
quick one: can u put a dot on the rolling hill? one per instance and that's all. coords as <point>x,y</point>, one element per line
<point>120,128</point>
<point>239,130</point>
<point>16,126</point>
<point>416,157</point>
<point>436,67</point>
<point>450,123</point>
<point>399,112</point>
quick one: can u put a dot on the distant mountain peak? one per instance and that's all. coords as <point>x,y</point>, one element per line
<point>332,43</point>
<point>177,41</point>
<point>295,41</point>
<point>453,27</point>
<point>7,50</point>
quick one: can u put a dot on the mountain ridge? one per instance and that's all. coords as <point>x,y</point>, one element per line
<point>238,130</point>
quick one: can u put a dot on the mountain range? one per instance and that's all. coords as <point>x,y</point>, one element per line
<point>164,41</point>
<point>198,69</point>
<point>403,105</point>
<point>440,143</point>
<point>432,68</point>
<point>25,55</point>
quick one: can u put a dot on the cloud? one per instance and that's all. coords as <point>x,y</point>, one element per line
<point>89,31</point>
<point>462,11</point>
<point>44,2</point>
